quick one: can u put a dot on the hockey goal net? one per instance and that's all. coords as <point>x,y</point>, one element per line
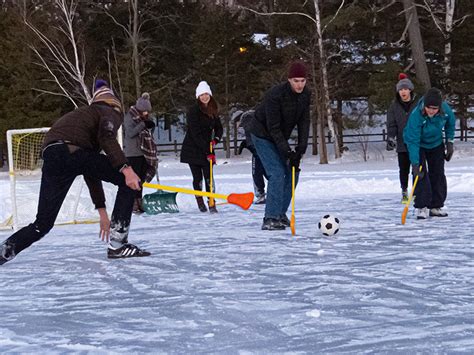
<point>24,162</point>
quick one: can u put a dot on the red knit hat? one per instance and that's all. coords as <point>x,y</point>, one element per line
<point>297,70</point>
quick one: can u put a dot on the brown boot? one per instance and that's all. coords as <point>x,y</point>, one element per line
<point>201,205</point>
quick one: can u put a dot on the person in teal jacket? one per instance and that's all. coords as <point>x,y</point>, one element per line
<point>429,136</point>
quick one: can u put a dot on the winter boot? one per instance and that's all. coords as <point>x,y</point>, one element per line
<point>200,201</point>
<point>270,224</point>
<point>137,206</point>
<point>261,199</point>
<point>438,212</point>
<point>213,208</point>
<point>126,251</point>
<point>284,220</point>
<point>421,213</point>
<point>404,196</point>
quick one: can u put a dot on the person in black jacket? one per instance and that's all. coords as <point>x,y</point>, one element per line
<point>244,120</point>
<point>73,147</point>
<point>284,107</point>
<point>204,128</point>
<point>397,117</point>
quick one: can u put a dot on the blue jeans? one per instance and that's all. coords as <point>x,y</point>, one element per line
<point>279,177</point>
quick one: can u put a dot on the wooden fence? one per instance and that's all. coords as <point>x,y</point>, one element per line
<point>347,139</point>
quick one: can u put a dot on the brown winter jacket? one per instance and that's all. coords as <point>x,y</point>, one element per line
<point>93,128</point>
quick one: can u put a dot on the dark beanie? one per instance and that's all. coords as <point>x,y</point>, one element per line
<point>433,98</point>
<point>143,103</point>
<point>297,70</point>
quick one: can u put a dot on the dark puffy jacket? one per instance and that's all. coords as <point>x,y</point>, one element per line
<point>397,117</point>
<point>198,136</point>
<point>279,113</point>
<point>93,128</point>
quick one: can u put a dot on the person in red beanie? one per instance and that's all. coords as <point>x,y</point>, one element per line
<point>284,107</point>
<point>397,117</point>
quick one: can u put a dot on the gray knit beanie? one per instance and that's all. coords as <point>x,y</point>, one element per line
<point>404,82</point>
<point>143,103</point>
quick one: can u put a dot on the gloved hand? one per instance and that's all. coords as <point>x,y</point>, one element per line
<point>294,159</point>
<point>391,143</point>
<point>149,124</point>
<point>449,151</point>
<point>212,157</point>
<point>415,170</point>
<point>214,143</point>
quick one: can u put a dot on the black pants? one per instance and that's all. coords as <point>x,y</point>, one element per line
<point>431,191</point>
<point>140,166</point>
<point>404,169</point>
<point>258,172</point>
<point>60,168</point>
<point>199,172</point>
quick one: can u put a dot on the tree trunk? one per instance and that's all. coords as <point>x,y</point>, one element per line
<point>135,54</point>
<point>315,117</point>
<point>450,5</point>
<point>416,42</point>
<point>271,27</point>
<point>325,87</point>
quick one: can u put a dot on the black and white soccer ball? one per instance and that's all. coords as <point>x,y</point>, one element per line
<point>329,225</point>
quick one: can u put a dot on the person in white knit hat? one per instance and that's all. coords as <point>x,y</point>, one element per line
<point>203,129</point>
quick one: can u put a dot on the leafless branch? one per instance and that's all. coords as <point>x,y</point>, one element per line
<point>278,13</point>
<point>334,17</point>
<point>393,2</point>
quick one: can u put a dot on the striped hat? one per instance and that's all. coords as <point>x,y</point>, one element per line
<point>105,94</point>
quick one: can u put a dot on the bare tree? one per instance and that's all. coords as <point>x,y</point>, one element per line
<point>133,32</point>
<point>66,60</point>
<point>416,42</point>
<point>324,97</point>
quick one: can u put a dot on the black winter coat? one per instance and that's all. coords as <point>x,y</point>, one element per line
<point>279,113</point>
<point>397,117</point>
<point>198,136</point>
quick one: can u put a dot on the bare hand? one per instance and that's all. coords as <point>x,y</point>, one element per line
<point>104,225</point>
<point>131,179</point>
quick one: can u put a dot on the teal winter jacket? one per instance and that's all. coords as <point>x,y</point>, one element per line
<point>426,132</point>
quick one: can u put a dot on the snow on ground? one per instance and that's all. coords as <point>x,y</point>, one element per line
<point>218,284</point>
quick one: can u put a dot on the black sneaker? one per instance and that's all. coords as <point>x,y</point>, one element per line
<point>271,224</point>
<point>261,199</point>
<point>284,220</point>
<point>126,251</point>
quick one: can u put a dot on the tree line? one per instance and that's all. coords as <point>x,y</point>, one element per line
<point>53,50</point>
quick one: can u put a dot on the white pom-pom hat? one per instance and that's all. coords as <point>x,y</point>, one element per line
<point>203,88</point>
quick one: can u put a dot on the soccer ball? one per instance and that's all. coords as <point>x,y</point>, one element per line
<point>329,225</point>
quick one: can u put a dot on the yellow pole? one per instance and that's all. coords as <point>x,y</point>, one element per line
<point>293,219</point>
<point>185,191</point>
<point>407,206</point>
<point>211,200</point>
